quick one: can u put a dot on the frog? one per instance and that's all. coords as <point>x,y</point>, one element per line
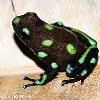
<point>60,48</point>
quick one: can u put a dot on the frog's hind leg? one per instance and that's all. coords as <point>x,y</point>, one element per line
<point>90,63</point>
<point>48,75</point>
<point>85,39</point>
<point>85,69</point>
<point>79,77</point>
<point>90,55</point>
<point>71,72</point>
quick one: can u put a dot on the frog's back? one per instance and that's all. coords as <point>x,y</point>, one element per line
<point>55,44</point>
<point>49,43</point>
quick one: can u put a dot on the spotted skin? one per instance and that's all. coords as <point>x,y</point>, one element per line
<point>86,62</point>
<point>60,48</point>
<point>42,54</point>
<point>71,49</point>
<point>47,42</point>
<point>16,20</point>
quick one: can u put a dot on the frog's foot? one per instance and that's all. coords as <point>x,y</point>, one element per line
<point>28,85</point>
<point>79,78</point>
<point>50,74</point>
<point>70,81</point>
<point>27,78</point>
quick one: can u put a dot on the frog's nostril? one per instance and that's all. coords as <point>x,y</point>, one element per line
<point>16,20</point>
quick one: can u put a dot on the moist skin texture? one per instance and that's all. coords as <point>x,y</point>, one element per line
<point>60,48</point>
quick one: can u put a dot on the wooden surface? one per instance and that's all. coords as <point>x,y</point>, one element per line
<point>11,88</point>
<point>81,14</point>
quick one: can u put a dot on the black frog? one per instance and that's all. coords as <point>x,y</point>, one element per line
<point>61,48</point>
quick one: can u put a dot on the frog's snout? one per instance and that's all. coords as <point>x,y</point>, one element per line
<point>15,21</point>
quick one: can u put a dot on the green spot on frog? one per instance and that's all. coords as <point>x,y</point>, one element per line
<point>42,54</point>
<point>16,20</point>
<point>84,72</point>
<point>93,61</point>
<point>49,26</point>
<point>47,42</point>
<point>71,49</point>
<point>44,77</point>
<point>26,31</point>
<point>68,69</point>
<point>54,65</point>
<point>82,59</point>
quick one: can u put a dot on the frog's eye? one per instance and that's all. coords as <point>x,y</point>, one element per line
<point>16,20</point>
<point>25,32</point>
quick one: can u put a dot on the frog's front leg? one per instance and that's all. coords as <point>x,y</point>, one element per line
<point>48,75</point>
<point>80,76</point>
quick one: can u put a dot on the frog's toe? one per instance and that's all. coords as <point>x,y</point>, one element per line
<point>29,79</point>
<point>24,86</point>
<point>25,78</point>
<point>28,85</point>
<point>63,82</point>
